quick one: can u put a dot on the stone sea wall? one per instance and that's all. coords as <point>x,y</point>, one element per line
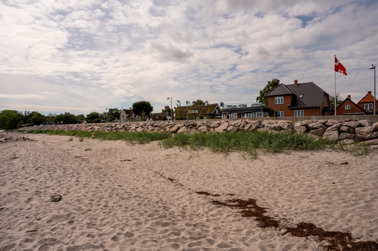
<point>347,131</point>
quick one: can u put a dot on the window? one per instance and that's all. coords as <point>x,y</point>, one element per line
<point>280,113</point>
<point>347,107</point>
<point>298,113</point>
<point>368,107</point>
<point>279,100</point>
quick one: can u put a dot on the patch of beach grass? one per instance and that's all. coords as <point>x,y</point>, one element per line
<point>133,137</point>
<point>246,142</point>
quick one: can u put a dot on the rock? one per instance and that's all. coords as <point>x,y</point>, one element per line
<point>235,123</point>
<point>232,128</point>
<point>300,129</point>
<point>222,127</point>
<point>334,127</point>
<point>352,124</point>
<point>375,126</point>
<point>371,142</point>
<point>302,123</point>
<point>287,126</point>
<point>202,128</point>
<point>346,129</point>
<point>182,130</point>
<point>331,135</point>
<point>316,125</point>
<point>346,141</point>
<point>347,136</point>
<point>364,131</point>
<point>366,123</point>
<point>318,132</point>
<point>56,197</point>
<point>332,122</point>
<point>175,128</point>
<point>372,135</point>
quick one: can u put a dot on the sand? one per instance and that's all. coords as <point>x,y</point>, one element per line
<point>118,196</point>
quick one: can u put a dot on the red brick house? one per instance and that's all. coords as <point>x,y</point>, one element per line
<point>298,100</point>
<point>348,107</point>
<point>367,103</point>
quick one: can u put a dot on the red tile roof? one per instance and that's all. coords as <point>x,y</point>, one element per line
<point>368,98</point>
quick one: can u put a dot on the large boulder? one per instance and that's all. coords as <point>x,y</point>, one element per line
<point>332,122</point>
<point>366,123</point>
<point>346,129</point>
<point>252,125</point>
<point>318,132</point>
<point>222,127</point>
<point>287,126</point>
<point>175,128</point>
<point>363,132</point>
<point>331,135</point>
<point>316,125</point>
<point>351,124</point>
<point>334,127</point>
<point>300,129</point>
<point>347,136</point>
<point>375,126</point>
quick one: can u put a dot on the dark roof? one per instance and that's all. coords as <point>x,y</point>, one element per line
<point>158,116</point>
<point>280,91</point>
<point>202,109</point>
<point>128,111</point>
<point>304,94</point>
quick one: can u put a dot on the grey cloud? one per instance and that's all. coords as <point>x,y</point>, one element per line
<point>170,52</point>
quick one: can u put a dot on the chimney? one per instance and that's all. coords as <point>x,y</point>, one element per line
<point>349,97</point>
<point>295,82</point>
<point>369,92</point>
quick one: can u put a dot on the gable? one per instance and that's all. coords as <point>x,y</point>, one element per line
<point>353,105</point>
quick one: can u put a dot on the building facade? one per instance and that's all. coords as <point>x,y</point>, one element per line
<point>298,100</point>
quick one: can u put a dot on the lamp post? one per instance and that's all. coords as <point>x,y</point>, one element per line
<point>171,107</point>
<point>372,67</point>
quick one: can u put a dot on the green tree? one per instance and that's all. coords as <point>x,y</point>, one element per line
<point>66,118</point>
<point>80,118</point>
<point>10,119</point>
<point>332,102</point>
<point>142,109</point>
<point>198,102</point>
<point>37,119</point>
<point>93,117</point>
<point>113,114</point>
<point>268,88</point>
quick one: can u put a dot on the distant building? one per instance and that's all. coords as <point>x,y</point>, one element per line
<point>198,112</point>
<point>244,110</point>
<point>348,107</point>
<point>298,100</point>
<point>367,103</point>
<point>159,116</point>
<point>127,114</point>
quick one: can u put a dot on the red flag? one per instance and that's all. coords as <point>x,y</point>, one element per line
<point>339,67</point>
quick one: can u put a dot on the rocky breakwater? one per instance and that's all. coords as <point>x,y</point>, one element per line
<point>346,131</point>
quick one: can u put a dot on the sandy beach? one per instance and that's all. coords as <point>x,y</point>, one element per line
<point>118,196</point>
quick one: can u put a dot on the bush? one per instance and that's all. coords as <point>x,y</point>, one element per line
<point>10,119</point>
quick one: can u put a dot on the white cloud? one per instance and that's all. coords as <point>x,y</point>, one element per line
<point>81,56</point>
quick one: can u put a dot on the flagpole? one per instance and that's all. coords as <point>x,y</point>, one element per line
<point>335,82</point>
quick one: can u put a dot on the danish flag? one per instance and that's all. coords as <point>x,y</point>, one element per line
<point>339,67</point>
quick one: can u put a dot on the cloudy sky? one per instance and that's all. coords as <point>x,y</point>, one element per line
<point>83,56</point>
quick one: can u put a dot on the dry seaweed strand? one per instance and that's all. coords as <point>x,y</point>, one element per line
<point>338,241</point>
